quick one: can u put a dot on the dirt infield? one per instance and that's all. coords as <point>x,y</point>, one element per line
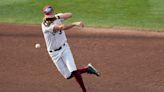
<point>129,61</point>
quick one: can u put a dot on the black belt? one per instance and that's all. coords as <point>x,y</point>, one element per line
<point>58,48</point>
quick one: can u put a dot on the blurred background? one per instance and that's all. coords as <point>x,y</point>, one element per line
<point>95,13</point>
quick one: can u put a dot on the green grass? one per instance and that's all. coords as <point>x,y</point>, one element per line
<point>97,13</point>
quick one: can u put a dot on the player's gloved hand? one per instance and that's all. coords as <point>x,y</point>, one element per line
<point>79,24</point>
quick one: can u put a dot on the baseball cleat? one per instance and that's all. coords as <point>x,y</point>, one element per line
<point>92,70</point>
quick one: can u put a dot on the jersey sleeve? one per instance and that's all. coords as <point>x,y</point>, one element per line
<point>58,15</point>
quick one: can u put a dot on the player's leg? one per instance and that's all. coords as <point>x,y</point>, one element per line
<point>62,68</point>
<point>60,63</point>
<point>79,79</point>
<point>69,61</point>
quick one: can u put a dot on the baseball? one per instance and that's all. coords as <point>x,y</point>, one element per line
<point>37,45</point>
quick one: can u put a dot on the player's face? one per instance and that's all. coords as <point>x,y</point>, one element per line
<point>52,13</point>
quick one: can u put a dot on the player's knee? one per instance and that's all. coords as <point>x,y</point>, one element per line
<point>74,73</point>
<point>70,76</point>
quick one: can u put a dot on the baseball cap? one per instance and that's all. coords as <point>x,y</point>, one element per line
<point>47,10</point>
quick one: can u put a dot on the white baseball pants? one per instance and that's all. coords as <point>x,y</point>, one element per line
<point>64,61</point>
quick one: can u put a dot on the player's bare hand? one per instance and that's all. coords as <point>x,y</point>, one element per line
<point>79,24</point>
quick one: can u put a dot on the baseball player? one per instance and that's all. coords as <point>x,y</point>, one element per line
<point>58,47</point>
